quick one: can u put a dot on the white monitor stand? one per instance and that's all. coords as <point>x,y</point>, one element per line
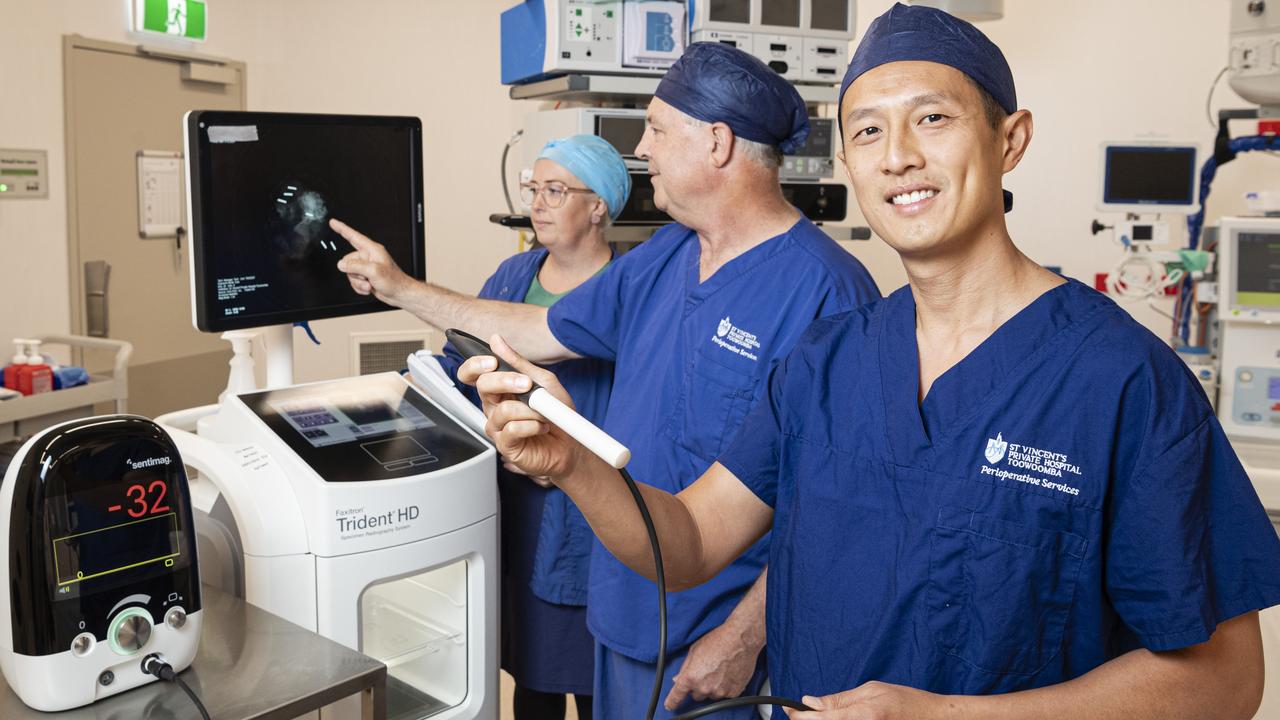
<point>278,340</point>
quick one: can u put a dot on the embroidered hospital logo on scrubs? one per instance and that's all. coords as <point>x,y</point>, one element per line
<point>736,340</point>
<point>995,448</point>
<point>1052,470</point>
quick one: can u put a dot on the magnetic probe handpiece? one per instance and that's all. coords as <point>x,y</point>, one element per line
<point>538,398</point>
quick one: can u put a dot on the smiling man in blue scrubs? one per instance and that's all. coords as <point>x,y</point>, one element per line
<point>992,494</point>
<point>695,318</point>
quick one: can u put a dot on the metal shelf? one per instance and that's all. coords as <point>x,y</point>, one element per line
<point>625,88</point>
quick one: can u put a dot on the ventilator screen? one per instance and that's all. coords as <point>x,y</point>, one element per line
<point>1258,269</point>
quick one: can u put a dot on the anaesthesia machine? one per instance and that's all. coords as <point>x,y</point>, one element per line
<point>804,41</point>
<point>545,38</point>
<point>806,175</point>
<point>1249,315</point>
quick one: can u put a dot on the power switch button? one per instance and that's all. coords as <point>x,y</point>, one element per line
<point>82,645</point>
<point>175,618</point>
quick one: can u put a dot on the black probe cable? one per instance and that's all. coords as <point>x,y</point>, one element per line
<point>662,589</point>
<point>153,665</point>
<point>660,578</point>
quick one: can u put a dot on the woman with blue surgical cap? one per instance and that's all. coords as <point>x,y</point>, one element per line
<point>578,187</point>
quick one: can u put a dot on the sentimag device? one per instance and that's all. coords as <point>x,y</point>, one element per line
<point>97,562</point>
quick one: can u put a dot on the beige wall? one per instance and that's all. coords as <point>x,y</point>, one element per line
<point>434,59</point>
<point>1091,70</point>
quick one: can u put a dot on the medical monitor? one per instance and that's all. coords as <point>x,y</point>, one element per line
<point>622,132</point>
<point>1149,178</point>
<point>262,188</point>
<point>1250,268</point>
<point>809,18</point>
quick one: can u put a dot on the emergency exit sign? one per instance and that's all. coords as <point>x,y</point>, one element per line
<point>187,19</point>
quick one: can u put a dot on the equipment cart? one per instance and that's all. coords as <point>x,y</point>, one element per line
<point>25,416</point>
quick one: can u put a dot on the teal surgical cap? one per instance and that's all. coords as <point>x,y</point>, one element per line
<point>596,163</point>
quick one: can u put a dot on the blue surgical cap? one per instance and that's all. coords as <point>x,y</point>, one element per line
<point>717,83</point>
<point>596,163</point>
<point>919,33</point>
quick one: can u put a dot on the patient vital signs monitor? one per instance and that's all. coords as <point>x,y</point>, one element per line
<point>1149,178</point>
<point>263,187</point>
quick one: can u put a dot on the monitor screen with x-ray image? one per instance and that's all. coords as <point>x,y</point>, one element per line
<point>262,189</point>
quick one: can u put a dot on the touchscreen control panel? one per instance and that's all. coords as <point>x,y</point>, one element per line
<point>374,427</point>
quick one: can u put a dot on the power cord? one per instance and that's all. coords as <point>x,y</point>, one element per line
<point>660,577</point>
<point>506,191</point>
<point>1208,101</point>
<point>154,665</point>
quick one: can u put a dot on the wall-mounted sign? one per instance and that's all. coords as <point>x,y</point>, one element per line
<point>160,208</point>
<point>187,19</point>
<point>24,174</point>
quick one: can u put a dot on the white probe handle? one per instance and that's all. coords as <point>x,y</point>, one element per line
<point>579,428</point>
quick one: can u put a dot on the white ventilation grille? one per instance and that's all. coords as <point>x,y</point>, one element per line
<point>384,351</point>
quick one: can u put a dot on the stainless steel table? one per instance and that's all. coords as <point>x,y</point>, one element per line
<point>252,665</point>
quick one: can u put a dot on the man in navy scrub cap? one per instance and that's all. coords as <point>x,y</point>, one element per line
<point>992,494</point>
<point>694,320</point>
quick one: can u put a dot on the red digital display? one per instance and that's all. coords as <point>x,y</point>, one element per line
<point>124,526</point>
<point>143,500</point>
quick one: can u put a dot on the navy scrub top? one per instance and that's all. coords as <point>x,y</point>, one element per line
<point>691,358</point>
<point>1063,495</point>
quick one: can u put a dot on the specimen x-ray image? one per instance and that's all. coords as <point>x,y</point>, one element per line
<point>299,222</point>
<point>267,195</point>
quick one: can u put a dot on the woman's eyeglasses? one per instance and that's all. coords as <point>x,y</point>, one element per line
<point>553,194</point>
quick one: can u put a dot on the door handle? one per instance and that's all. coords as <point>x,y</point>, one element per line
<point>96,275</point>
